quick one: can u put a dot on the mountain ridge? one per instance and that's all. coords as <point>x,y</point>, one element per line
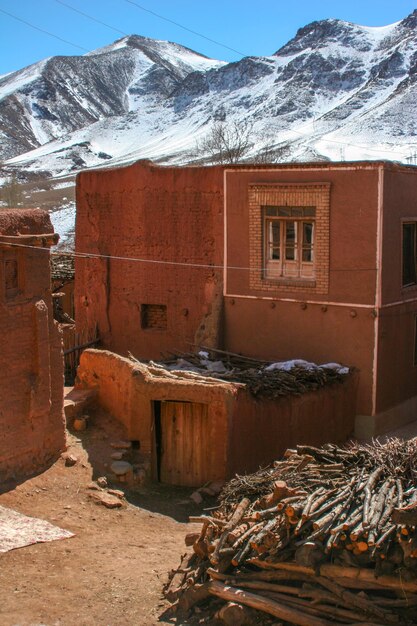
<point>333,84</point>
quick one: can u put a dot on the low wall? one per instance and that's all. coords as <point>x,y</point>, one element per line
<point>127,390</point>
<point>242,433</point>
<point>263,429</point>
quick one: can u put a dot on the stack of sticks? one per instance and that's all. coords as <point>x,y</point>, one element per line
<point>255,375</point>
<point>324,536</point>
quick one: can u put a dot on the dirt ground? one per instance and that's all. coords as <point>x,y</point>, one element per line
<point>112,571</point>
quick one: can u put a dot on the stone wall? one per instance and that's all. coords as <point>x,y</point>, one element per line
<point>32,431</point>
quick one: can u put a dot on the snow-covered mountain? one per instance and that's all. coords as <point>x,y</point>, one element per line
<point>335,91</point>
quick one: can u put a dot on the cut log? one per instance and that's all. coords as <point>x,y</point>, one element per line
<point>234,614</point>
<point>191,538</point>
<point>192,596</point>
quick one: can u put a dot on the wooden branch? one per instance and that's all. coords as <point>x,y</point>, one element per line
<point>279,610</point>
<point>349,573</point>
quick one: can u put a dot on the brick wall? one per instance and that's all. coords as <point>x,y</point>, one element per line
<point>317,195</point>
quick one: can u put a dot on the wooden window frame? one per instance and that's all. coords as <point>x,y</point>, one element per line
<point>284,267</point>
<point>404,223</point>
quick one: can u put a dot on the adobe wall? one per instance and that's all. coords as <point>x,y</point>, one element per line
<point>336,324</point>
<point>293,330</point>
<point>172,215</point>
<point>263,429</point>
<point>32,431</point>
<point>397,374</point>
<point>245,433</point>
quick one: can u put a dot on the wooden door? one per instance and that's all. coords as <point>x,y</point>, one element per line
<point>185,445</point>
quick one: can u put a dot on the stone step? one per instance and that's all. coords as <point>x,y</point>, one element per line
<point>78,401</point>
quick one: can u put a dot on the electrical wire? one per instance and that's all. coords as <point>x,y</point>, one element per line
<point>90,17</point>
<point>189,30</point>
<point>61,2</point>
<point>42,30</point>
<point>211,266</point>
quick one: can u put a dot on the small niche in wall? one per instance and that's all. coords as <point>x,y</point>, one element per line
<point>154,316</point>
<point>11,277</point>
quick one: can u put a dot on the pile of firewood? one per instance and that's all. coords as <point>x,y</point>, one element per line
<point>259,379</point>
<point>324,536</point>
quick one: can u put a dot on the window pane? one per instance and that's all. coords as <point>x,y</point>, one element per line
<point>309,211</point>
<point>276,232</point>
<point>271,211</point>
<point>409,254</point>
<point>307,233</point>
<point>290,241</point>
<point>308,229</point>
<point>284,211</point>
<point>274,242</point>
<point>297,212</point>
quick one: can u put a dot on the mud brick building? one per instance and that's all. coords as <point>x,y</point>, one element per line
<point>314,261</point>
<point>194,429</point>
<point>31,370</point>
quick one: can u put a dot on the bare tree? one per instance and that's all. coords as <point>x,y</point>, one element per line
<point>11,192</point>
<point>227,142</point>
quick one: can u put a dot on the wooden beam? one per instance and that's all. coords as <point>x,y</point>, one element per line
<point>43,241</point>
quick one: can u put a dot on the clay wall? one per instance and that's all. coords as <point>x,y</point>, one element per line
<point>32,431</point>
<point>397,366</point>
<point>290,331</point>
<point>168,215</point>
<point>243,434</point>
<point>263,429</point>
<point>128,390</point>
<point>333,321</point>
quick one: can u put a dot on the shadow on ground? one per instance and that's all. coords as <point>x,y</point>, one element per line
<point>102,431</point>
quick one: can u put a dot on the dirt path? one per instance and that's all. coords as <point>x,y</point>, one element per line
<point>112,571</point>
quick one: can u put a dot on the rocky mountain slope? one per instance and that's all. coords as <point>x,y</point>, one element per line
<point>335,91</point>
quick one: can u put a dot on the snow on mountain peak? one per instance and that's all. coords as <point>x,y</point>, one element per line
<point>336,90</point>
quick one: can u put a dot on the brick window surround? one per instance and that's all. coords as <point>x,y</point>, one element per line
<point>295,195</point>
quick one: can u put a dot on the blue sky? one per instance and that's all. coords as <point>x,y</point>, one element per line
<point>249,27</point>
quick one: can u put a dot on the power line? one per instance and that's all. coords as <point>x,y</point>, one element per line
<point>109,257</point>
<point>42,30</point>
<point>334,141</point>
<point>189,30</point>
<point>90,17</point>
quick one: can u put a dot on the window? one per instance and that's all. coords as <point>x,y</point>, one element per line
<point>154,316</point>
<point>409,276</point>
<point>289,241</point>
